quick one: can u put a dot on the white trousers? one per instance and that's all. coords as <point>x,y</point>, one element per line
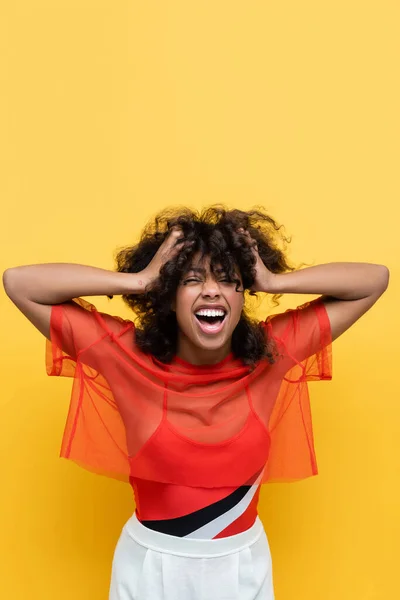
<point>149,565</point>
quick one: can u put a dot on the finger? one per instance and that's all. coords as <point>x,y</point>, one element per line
<point>175,232</point>
<point>176,241</point>
<point>244,232</point>
<point>248,237</point>
<point>175,236</point>
<point>178,238</point>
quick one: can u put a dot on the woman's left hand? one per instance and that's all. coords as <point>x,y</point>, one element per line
<point>264,280</point>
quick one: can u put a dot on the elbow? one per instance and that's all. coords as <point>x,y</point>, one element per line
<point>383,279</point>
<point>10,280</point>
<point>7,279</point>
<point>386,276</point>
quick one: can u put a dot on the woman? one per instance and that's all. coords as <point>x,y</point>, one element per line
<point>196,404</point>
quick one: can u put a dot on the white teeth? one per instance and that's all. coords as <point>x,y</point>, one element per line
<point>206,312</point>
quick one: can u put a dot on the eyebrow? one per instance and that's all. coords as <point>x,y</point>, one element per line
<point>202,271</point>
<point>196,270</point>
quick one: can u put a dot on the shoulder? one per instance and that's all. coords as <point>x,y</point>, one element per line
<point>81,321</point>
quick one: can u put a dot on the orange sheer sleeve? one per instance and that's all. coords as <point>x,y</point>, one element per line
<point>303,337</point>
<point>81,339</point>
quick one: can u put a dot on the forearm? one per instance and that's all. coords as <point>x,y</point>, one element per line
<point>342,280</point>
<point>53,283</point>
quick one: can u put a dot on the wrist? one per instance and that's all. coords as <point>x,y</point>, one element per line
<point>135,283</point>
<point>270,284</point>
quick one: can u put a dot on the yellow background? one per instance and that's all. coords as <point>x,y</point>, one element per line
<point>110,111</point>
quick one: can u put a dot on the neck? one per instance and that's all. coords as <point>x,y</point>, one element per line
<point>201,356</point>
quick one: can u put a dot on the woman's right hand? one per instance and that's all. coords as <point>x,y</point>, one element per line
<point>170,247</point>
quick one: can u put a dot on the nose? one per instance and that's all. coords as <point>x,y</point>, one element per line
<point>210,288</point>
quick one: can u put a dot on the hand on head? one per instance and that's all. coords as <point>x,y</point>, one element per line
<point>170,247</point>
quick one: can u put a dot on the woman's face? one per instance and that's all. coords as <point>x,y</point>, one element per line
<point>208,308</point>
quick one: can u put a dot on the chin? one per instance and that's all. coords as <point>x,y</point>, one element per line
<point>210,344</point>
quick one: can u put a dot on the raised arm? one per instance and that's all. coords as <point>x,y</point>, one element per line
<point>348,289</point>
<point>35,288</point>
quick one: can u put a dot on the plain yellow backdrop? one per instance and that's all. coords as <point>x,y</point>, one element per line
<point>110,111</point>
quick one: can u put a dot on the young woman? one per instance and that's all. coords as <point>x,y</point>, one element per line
<point>195,403</point>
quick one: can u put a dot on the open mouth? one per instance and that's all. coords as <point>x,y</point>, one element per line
<point>211,320</point>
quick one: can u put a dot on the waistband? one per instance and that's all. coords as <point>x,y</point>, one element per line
<point>171,544</point>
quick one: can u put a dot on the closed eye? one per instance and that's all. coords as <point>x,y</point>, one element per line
<point>198,280</point>
<point>190,280</point>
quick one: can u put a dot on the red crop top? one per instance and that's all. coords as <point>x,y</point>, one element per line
<point>208,426</point>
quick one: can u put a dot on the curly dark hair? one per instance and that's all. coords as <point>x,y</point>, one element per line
<point>213,232</point>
